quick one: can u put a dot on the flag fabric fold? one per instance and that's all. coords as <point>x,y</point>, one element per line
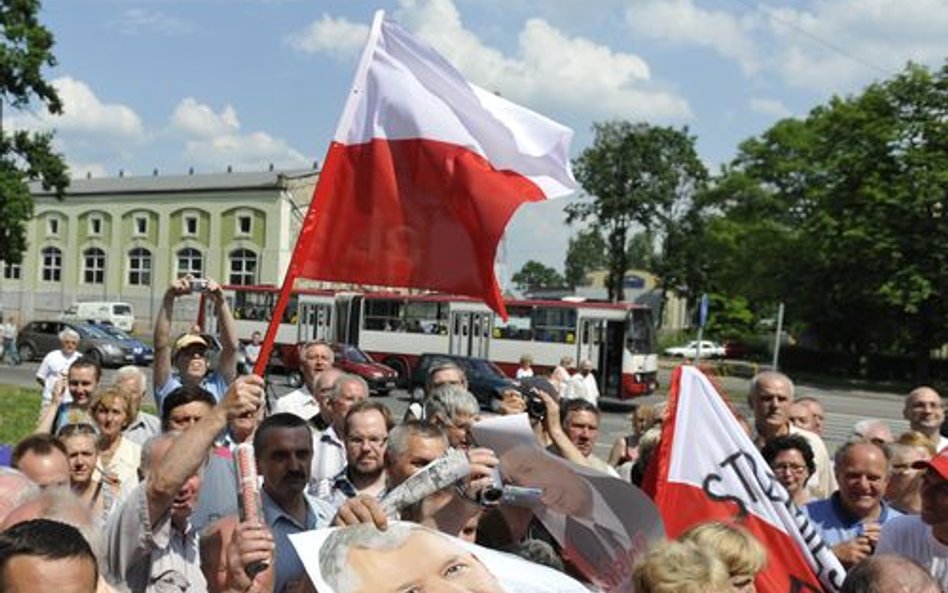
<point>708,469</point>
<point>423,174</point>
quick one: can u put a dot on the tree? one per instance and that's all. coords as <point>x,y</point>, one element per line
<point>635,175</point>
<point>851,221</point>
<point>586,252</point>
<point>534,275</point>
<point>25,49</point>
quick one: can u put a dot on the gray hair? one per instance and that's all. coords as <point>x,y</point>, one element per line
<point>334,553</point>
<point>769,376</point>
<point>861,428</point>
<point>148,449</point>
<point>443,364</point>
<point>129,372</point>
<point>844,450</point>
<point>888,572</point>
<point>16,488</point>
<point>449,402</point>
<point>344,380</point>
<point>399,435</point>
<point>69,333</point>
<point>60,504</point>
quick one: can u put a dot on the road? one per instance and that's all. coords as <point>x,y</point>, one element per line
<point>843,407</point>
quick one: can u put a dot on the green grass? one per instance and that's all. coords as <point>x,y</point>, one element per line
<point>19,409</point>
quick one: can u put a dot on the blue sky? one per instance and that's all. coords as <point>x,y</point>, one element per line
<point>173,84</point>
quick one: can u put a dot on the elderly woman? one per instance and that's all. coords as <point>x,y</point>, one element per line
<point>82,451</point>
<point>904,491</point>
<point>54,365</point>
<point>119,457</point>
<point>791,459</point>
<point>626,448</point>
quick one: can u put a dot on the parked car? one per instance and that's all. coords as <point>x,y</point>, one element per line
<point>709,349</point>
<point>350,359</point>
<point>38,338</point>
<point>144,354</point>
<point>485,379</point>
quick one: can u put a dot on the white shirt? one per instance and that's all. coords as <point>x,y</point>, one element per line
<point>910,537</point>
<point>581,387</point>
<point>300,402</point>
<point>329,458</point>
<point>54,364</point>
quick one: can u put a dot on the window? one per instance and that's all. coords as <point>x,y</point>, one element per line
<point>52,264</point>
<point>141,225</point>
<point>190,225</point>
<point>190,261</point>
<point>52,226</point>
<point>243,267</point>
<point>384,314</point>
<point>518,325</point>
<point>244,224</point>
<point>554,324</point>
<point>139,267</point>
<point>11,271</point>
<point>93,266</point>
<point>95,226</point>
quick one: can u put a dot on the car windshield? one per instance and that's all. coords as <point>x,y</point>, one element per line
<point>353,354</point>
<point>92,331</point>
<point>121,310</point>
<point>114,331</point>
<point>485,367</point>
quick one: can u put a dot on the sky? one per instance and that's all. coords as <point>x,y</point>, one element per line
<point>174,84</point>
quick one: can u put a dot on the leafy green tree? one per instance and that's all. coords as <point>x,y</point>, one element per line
<point>534,275</point>
<point>25,49</point>
<point>641,251</point>
<point>586,252</point>
<point>635,175</point>
<point>842,215</point>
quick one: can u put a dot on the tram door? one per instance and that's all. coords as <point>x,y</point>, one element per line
<point>315,320</point>
<point>600,341</point>
<point>470,333</point>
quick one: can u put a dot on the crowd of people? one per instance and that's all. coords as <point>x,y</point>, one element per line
<point>106,497</point>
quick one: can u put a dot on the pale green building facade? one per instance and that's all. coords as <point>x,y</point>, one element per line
<point>125,239</point>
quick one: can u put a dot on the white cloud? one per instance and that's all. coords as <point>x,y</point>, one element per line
<point>328,35</point>
<point>682,22</point>
<point>548,69</point>
<point>197,119</point>
<point>214,140</point>
<point>139,21</point>
<point>770,107</point>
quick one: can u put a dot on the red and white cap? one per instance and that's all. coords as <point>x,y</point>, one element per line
<point>938,464</point>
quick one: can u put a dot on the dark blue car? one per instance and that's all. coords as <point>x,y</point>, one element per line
<point>144,354</point>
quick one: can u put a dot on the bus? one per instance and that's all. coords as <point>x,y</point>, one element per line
<point>396,329</point>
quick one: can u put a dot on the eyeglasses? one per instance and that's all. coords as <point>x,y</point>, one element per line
<point>789,467</point>
<point>374,442</point>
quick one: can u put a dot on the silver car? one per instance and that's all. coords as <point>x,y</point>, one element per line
<point>38,338</point>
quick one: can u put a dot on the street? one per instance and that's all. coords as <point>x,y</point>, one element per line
<point>843,407</point>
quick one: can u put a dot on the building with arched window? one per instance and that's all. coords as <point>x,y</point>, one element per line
<point>125,238</point>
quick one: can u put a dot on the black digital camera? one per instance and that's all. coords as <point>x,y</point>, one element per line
<point>536,407</point>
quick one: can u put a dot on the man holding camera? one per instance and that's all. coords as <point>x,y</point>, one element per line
<point>187,363</point>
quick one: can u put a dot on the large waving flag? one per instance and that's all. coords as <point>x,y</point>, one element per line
<point>423,174</point>
<point>708,469</point>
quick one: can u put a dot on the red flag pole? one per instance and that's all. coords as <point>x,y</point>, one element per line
<point>303,244</point>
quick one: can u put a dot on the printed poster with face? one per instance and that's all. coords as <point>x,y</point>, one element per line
<point>603,524</point>
<point>408,557</point>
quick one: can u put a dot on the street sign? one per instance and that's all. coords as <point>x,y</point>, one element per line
<point>703,310</point>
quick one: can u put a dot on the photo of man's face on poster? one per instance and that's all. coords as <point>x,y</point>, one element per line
<point>405,557</point>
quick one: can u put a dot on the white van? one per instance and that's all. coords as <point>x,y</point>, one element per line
<point>121,315</point>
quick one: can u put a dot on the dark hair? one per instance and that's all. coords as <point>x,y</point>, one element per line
<point>87,362</point>
<point>272,422</point>
<point>787,443</point>
<point>181,396</point>
<point>577,405</point>
<point>367,405</point>
<point>40,444</point>
<point>46,539</point>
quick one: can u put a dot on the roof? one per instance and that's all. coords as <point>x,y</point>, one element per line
<point>149,184</point>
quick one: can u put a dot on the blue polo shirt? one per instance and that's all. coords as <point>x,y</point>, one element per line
<point>836,524</point>
<point>288,565</point>
<point>213,382</point>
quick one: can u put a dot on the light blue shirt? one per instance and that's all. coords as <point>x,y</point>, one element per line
<point>288,565</point>
<point>214,383</point>
<point>836,524</point>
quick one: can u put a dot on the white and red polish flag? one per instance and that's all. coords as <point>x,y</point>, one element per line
<point>708,469</point>
<point>423,174</point>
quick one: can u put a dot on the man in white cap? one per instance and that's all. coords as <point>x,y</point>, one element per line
<point>583,384</point>
<point>187,364</point>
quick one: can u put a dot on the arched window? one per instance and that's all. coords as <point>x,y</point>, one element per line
<point>93,266</point>
<point>243,267</point>
<point>139,267</point>
<point>190,261</point>
<point>52,264</point>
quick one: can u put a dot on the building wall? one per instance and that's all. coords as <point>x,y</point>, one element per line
<point>215,233</point>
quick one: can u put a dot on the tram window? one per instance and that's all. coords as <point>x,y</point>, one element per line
<point>554,324</point>
<point>384,314</point>
<point>519,324</point>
